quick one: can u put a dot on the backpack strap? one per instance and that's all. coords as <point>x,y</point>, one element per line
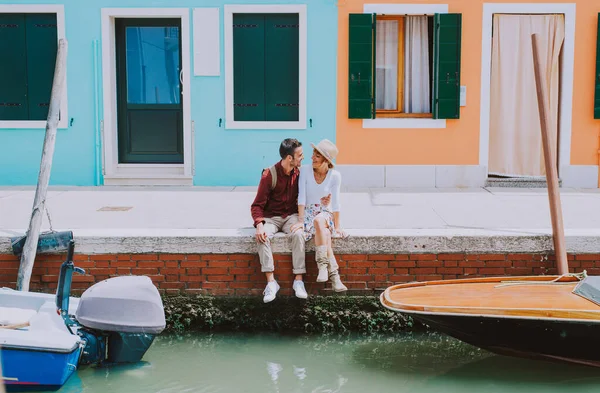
<point>273,177</point>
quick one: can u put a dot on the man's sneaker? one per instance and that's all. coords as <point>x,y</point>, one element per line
<point>322,277</point>
<point>336,283</point>
<point>299,289</point>
<point>270,291</point>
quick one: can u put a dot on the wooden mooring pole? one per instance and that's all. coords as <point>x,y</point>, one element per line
<point>39,202</point>
<point>548,142</point>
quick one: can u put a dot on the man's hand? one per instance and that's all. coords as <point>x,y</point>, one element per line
<point>261,235</point>
<point>325,200</point>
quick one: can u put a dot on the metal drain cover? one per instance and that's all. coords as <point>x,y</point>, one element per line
<point>115,208</point>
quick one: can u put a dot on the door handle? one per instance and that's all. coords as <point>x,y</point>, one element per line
<point>181,80</point>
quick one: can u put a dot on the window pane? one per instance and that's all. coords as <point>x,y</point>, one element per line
<point>153,65</point>
<point>416,65</point>
<point>387,65</point>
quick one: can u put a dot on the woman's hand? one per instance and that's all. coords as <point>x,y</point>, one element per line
<point>326,199</point>
<point>340,233</point>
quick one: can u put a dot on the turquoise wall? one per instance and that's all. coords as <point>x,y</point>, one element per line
<point>223,157</point>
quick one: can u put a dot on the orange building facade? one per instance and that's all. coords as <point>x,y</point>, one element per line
<point>432,125</point>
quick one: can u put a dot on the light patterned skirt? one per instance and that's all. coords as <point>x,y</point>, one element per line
<point>310,213</point>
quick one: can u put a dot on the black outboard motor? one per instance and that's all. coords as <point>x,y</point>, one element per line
<point>122,313</point>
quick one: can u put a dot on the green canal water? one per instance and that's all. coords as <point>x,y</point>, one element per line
<point>211,363</point>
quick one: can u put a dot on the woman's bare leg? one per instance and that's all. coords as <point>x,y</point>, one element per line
<point>322,233</point>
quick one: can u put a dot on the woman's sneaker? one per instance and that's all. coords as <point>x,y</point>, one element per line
<point>270,291</point>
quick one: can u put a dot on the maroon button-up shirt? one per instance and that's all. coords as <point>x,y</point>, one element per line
<point>282,201</point>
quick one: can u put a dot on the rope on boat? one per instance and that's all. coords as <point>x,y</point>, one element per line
<point>556,281</point>
<point>15,326</point>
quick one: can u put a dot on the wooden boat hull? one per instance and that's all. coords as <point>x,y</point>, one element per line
<point>570,341</point>
<point>529,317</point>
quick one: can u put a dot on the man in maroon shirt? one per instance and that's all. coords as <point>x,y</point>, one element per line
<point>275,210</point>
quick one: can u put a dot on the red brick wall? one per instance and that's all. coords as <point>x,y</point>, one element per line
<point>239,274</point>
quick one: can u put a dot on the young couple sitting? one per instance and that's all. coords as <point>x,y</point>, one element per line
<point>303,202</point>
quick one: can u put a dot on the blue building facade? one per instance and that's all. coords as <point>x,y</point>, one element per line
<point>165,92</point>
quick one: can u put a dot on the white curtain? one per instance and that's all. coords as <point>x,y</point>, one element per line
<point>515,132</point>
<point>386,79</point>
<point>416,65</point>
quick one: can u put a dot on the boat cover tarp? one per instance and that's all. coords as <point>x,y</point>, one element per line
<point>589,288</point>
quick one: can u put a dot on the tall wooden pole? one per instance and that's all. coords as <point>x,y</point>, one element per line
<point>39,202</point>
<point>548,142</point>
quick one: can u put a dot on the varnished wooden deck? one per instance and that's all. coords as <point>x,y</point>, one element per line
<point>533,297</point>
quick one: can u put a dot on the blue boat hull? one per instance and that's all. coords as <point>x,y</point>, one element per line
<point>24,369</point>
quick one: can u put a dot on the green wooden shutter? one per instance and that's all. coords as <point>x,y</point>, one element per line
<point>282,67</point>
<point>597,84</point>
<point>42,44</point>
<point>248,67</point>
<point>13,69</point>
<point>446,66</point>
<point>361,55</point>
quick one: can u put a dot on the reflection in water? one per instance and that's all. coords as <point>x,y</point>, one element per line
<point>210,363</point>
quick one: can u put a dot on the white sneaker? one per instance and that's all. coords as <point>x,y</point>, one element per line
<point>323,274</point>
<point>299,289</point>
<point>270,291</point>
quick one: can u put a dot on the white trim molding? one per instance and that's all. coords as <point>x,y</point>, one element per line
<point>404,123</point>
<point>136,174</point>
<point>207,41</point>
<point>567,65</point>
<point>299,9</point>
<point>413,176</point>
<point>59,10</point>
<point>405,9</point>
<point>579,176</point>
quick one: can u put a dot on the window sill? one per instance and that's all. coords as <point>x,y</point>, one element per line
<point>404,123</point>
<point>397,115</point>
<point>29,124</point>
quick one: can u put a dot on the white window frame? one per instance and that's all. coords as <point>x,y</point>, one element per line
<point>143,174</point>
<point>567,66</point>
<point>405,9</point>
<point>300,9</point>
<point>59,10</point>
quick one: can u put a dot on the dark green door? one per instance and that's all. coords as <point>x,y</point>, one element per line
<point>150,114</point>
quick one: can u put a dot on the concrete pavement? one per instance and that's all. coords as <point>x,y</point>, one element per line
<point>217,219</point>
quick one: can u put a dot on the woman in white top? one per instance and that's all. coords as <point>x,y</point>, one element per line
<point>317,181</point>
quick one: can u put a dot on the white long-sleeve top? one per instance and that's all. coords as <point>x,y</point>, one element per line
<point>310,192</point>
